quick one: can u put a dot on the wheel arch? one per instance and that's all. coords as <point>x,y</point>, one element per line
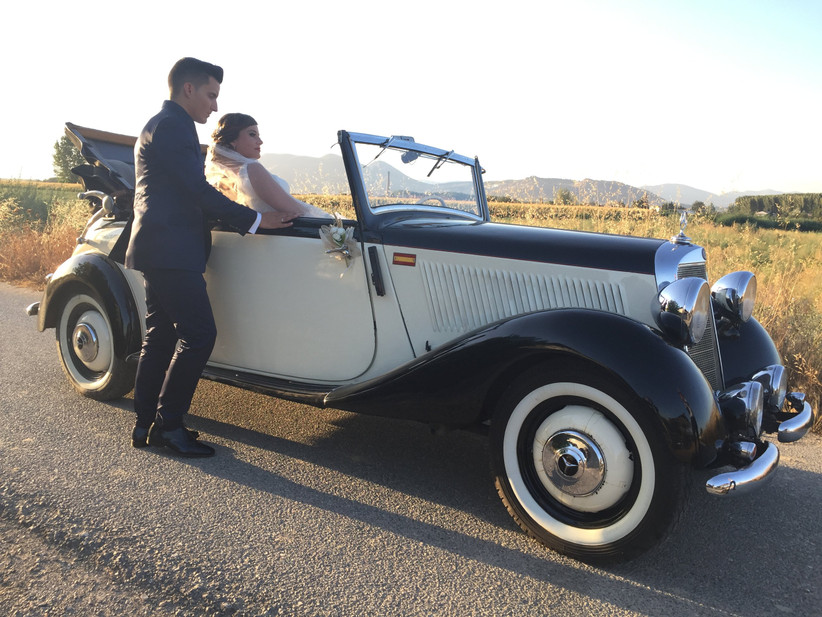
<point>551,359</point>
<point>103,278</point>
<point>661,378</point>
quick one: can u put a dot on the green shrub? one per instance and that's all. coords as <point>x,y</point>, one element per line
<point>761,222</point>
<point>29,203</point>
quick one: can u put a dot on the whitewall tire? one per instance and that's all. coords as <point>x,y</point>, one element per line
<point>85,342</point>
<point>582,466</point>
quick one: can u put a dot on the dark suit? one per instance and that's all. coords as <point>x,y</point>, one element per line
<point>169,243</point>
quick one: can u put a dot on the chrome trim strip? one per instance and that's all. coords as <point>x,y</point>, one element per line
<point>796,427</point>
<point>749,477</point>
<point>407,208</point>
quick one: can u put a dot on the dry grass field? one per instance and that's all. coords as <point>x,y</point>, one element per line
<point>788,264</point>
<point>39,225</point>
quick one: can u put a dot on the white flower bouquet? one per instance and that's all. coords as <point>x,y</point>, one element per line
<point>339,240</point>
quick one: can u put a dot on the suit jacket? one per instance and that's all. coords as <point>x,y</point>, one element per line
<point>172,200</point>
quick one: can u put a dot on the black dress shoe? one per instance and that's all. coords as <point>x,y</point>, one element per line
<point>179,440</point>
<point>139,436</point>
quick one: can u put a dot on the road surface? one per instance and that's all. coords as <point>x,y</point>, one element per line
<point>322,512</point>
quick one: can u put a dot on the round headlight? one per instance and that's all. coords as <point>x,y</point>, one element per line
<point>735,295</point>
<point>684,310</point>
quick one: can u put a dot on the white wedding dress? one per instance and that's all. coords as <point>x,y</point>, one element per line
<point>227,170</point>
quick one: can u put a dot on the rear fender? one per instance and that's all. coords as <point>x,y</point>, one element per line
<point>100,276</point>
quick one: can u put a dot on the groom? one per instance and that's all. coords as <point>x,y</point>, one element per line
<point>170,241</point>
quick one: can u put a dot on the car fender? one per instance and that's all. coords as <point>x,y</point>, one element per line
<point>102,276</point>
<point>745,350</point>
<point>459,383</point>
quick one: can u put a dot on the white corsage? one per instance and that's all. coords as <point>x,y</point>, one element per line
<point>339,240</point>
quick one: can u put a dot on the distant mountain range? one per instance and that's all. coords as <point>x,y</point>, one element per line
<point>306,174</point>
<point>601,192</point>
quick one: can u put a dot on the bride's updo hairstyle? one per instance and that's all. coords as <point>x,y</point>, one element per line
<point>229,127</point>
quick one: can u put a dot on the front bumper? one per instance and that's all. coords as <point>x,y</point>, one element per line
<point>795,428</point>
<point>746,478</point>
<point>763,459</point>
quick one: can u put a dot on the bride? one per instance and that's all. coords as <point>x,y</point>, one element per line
<point>232,166</point>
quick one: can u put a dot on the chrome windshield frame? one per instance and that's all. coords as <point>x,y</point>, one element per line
<point>400,142</point>
<point>404,143</point>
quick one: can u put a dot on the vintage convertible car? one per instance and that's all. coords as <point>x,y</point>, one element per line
<point>604,368</point>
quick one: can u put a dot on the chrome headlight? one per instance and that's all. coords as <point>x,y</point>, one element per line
<point>774,379</point>
<point>684,310</point>
<point>734,295</point>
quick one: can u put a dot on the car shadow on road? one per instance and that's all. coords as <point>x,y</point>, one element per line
<point>402,456</point>
<point>453,480</point>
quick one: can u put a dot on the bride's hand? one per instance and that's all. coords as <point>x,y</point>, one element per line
<point>276,220</point>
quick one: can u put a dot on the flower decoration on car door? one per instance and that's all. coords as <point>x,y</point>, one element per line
<point>338,240</point>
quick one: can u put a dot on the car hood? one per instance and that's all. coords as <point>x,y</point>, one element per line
<point>540,244</point>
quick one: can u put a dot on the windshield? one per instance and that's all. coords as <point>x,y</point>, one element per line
<point>399,173</point>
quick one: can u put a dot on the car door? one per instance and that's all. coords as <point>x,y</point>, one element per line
<point>286,308</point>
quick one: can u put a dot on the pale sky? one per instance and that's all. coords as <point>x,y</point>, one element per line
<point>718,95</point>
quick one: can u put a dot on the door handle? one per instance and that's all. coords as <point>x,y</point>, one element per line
<point>376,271</point>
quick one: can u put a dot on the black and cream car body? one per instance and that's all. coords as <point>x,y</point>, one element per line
<point>605,369</point>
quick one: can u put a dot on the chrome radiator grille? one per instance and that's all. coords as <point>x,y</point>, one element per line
<point>697,270</point>
<point>463,298</point>
<point>705,354</point>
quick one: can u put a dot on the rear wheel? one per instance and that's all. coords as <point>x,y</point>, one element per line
<point>582,466</point>
<point>85,342</point>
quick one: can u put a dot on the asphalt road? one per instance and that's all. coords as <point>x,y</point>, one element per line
<point>321,512</point>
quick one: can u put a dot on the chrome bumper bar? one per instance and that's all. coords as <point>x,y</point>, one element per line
<point>796,427</point>
<point>744,479</point>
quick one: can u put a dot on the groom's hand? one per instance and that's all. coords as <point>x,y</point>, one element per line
<point>276,220</point>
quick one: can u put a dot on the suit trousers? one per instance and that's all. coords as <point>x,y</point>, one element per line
<point>180,334</point>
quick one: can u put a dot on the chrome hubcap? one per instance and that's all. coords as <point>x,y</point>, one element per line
<point>84,340</point>
<point>574,463</point>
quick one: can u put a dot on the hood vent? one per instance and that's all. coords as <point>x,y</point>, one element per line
<point>461,299</point>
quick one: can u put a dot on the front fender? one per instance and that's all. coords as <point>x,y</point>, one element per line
<point>745,350</point>
<point>459,383</point>
<point>99,275</point>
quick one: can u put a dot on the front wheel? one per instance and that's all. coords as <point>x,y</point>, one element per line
<point>582,467</point>
<point>85,342</point>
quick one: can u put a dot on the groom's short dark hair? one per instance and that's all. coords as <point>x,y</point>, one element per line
<point>191,70</point>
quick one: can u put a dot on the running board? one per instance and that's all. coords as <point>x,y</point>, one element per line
<point>307,394</point>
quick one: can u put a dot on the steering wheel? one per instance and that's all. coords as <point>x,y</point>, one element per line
<point>434,198</point>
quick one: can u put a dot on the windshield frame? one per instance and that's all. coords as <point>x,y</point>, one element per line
<point>400,143</point>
